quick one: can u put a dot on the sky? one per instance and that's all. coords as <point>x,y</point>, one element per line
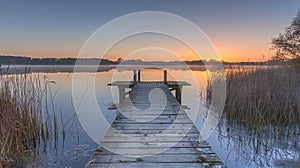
<point>239,30</point>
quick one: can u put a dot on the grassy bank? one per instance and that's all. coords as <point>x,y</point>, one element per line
<point>263,97</point>
<point>22,130</point>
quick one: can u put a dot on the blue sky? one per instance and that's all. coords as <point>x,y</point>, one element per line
<point>240,30</point>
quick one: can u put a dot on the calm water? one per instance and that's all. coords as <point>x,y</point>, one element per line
<point>235,146</point>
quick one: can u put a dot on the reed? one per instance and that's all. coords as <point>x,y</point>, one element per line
<point>22,128</point>
<point>261,118</point>
<point>263,97</point>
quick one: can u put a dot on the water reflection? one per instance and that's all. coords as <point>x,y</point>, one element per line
<point>260,148</point>
<point>236,146</point>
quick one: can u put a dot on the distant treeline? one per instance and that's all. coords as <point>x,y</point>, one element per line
<point>20,60</point>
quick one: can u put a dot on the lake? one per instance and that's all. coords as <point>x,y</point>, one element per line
<point>235,146</point>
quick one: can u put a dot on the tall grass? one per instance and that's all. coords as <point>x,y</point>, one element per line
<point>260,97</point>
<point>261,118</point>
<point>22,127</point>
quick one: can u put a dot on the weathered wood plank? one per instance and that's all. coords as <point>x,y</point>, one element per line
<point>155,122</point>
<point>143,145</point>
<point>178,151</point>
<point>159,131</point>
<point>145,116</point>
<point>151,165</point>
<point>150,139</point>
<point>162,158</point>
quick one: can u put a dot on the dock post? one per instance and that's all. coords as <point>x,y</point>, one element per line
<point>165,76</point>
<point>121,93</point>
<point>134,77</point>
<point>178,94</point>
<point>139,75</point>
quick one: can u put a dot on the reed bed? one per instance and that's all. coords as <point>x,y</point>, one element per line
<point>261,118</point>
<point>263,96</point>
<point>263,106</point>
<point>23,128</point>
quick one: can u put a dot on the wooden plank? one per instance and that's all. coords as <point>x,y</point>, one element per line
<point>166,158</point>
<point>153,83</point>
<point>169,151</point>
<point>151,165</point>
<point>146,116</point>
<point>151,131</point>
<point>150,125</point>
<point>157,121</point>
<point>151,139</point>
<point>148,145</point>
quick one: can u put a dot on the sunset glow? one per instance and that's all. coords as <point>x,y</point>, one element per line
<point>240,31</point>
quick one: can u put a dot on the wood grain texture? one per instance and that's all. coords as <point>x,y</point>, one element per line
<point>163,136</point>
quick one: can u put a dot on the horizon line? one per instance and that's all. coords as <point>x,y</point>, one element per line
<point>69,57</point>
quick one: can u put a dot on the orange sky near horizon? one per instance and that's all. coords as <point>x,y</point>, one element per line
<point>230,51</point>
<point>239,30</point>
<point>226,54</point>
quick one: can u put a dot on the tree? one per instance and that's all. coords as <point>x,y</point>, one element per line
<point>120,60</point>
<point>287,44</point>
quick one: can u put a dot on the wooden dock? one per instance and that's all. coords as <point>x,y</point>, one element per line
<point>163,136</point>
